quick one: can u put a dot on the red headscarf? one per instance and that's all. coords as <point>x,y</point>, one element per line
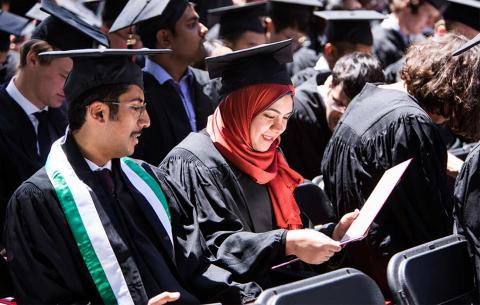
<point>229,129</point>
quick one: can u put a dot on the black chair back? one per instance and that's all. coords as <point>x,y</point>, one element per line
<point>437,272</point>
<point>343,286</point>
<point>313,202</point>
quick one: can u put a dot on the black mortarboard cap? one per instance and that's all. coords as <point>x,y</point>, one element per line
<point>349,25</point>
<point>467,46</point>
<point>112,10</point>
<point>35,12</point>
<point>10,24</point>
<point>464,11</point>
<point>166,12</point>
<point>237,19</point>
<point>93,68</point>
<point>263,64</point>
<point>440,5</point>
<point>66,31</point>
<point>312,3</point>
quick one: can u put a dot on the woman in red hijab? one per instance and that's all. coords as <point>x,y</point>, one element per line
<point>236,176</point>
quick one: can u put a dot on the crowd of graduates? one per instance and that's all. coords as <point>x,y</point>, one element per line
<point>152,151</point>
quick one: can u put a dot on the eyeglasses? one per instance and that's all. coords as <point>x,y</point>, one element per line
<point>138,109</point>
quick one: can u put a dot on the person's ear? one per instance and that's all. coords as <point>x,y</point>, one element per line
<point>330,52</point>
<point>269,28</point>
<point>96,111</point>
<point>32,58</point>
<point>164,39</point>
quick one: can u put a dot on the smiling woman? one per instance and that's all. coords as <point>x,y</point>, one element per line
<point>235,174</point>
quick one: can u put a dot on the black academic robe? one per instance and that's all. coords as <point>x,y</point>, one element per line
<point>46,264</point>
<point>388,45</point>
<point>19,157</point>
<point>467,206</point>
<point>307,133</point>
<point>235,213</point>
<point>382,128</point>
<point>169,123</point>
<point>303,58</point>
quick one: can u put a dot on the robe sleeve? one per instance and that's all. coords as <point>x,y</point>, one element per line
<point>216,197</point>
<point>210,283</point>
<point>45,264</point>
<point>467,205</point>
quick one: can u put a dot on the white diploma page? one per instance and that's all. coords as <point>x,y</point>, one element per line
<point>374,203</point>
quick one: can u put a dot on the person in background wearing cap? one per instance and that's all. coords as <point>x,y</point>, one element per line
<point>10,24</point>
<point>346,31</point>
<point>386,125</point>
<point>123,38</point>
<point>463,17</point>
<point>238,179</point>
<point>32,117</point>
<point>304,142</point>
<point>404,26</point>
<point>177,104</point>
<point>241,26</point>
<point>290,19</point>
<point>94,226</point>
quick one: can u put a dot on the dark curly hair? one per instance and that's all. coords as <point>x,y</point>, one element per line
<point>354,70</point>
<point>446,85</point>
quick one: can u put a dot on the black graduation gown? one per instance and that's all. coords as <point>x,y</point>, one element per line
<point>169,123</point>
<point>307,133</point>
<point>303,58</point>
<point>388,45</point>
<point>19,158</point>
<point>235,214</point>
<point>467,206</point>
<point>47,267</point>
<point>382,128</point>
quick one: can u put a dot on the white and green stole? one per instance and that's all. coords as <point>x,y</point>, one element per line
<point>77,201</point>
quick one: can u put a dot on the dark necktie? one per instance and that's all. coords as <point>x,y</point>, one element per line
<point>105,176</point>
<point>43,135</point>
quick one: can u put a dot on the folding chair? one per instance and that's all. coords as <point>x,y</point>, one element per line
<point>6,289</point>
<point>437,272</point>
<point>343,286</point>
<point>313,202</point>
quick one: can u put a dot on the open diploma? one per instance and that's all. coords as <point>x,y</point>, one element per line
<point>374,203</point>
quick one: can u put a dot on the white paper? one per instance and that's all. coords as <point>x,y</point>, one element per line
<point>374,203</point>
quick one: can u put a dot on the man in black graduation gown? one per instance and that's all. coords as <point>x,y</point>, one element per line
<point>93,226</point>
<point>307,133</point>
<point>384,126</point>
<point>32,116</point>
<point>177,104</point>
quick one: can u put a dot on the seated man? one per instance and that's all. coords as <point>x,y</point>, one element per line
<point>93,226</point>
<point>307,134</point>
<point>386,125</point>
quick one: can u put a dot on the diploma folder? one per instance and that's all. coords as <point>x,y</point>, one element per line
<point>359,227</point>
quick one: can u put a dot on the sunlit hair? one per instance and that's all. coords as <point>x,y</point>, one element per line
<point>446,85</point>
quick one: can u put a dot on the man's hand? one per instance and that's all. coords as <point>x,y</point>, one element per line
<point>310,246</point>
<point>164,297</point>
<point>344,223</point>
